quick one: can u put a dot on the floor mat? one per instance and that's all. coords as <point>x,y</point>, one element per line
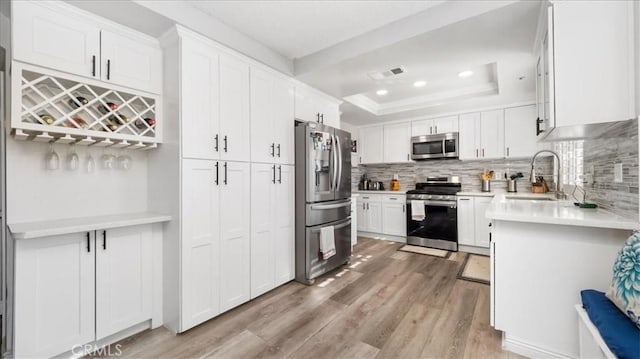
<point>476,269</point>
<point>440,253</point>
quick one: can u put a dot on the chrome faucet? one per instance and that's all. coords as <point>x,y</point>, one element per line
<point>558,183</point>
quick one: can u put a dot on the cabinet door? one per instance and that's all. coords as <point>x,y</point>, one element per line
<point>330,113</point>
<point>520,131</point>
<point>394,220</point>
<point>466,222</point>
<point>305,105</point>
<point>283,122</point>
<point>422,128</point>
<point>361,213</point>
<point>200,117</point>
<point>285,225</point>
<point>54,294</point>
<point>263,183</point>
<point>492,134</point>
<point>123,278</point>
<point>200,242</point>
<point>130,63</point>
<point>235,256</point>
<point>263,142</point>
<point>397,143</point>
<point>445,124</point>
<point>371,139</point>
<point>235,124</point>
<point>374,217</point>
<point>46,34</point>
<point>481,221</point>
<point>469,136</point>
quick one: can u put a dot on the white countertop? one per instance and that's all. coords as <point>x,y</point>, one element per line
<point>476,194</point>
<point>555,212</point>
<point>39,229</point>
<point>380,192</point>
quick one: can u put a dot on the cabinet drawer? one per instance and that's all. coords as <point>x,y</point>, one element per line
<point>394,198</point>
<point>371,198</point>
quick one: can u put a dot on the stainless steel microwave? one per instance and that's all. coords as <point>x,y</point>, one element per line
<point>434,146</point>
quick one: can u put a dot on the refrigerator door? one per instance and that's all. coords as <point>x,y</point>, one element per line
<point>325,212</point>
<point>315,265</point>
<point>343,166</point>
<point>320,163</point>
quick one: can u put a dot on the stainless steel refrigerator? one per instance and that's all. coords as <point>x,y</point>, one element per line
<point>323,197</point>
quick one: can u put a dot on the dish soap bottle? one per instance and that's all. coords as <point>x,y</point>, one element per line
<point>395,184</point>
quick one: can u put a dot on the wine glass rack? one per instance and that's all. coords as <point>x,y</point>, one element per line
<point>56,108</point>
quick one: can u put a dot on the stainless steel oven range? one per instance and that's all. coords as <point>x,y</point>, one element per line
<point>432,213</point>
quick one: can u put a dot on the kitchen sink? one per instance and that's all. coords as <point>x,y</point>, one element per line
<point>530,198</point>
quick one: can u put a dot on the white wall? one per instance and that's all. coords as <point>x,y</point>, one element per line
<point>36,194</point>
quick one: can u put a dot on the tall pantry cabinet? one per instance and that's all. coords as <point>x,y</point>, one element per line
<point>215,257</point>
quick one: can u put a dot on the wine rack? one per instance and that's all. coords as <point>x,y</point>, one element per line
<point>52,107</point>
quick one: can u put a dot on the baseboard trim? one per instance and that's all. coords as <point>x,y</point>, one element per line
<point>386,237</point>
<point>99,347</point>
<point>530,351</point>
<point>474,250</point>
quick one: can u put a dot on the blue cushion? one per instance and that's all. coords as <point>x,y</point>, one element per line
<point>620,333</point>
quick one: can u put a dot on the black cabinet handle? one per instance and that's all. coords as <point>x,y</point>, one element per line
<point>278,150</point>
<point>225,173</point>
<point>225,143</point>
<point>273,149</point>
<point>539,121</point>
<point>217,173</point>
<point>483,152</point>
<point>104,240</point>
<point>318,117</point>
<point>507,151</point>
<point>280,174</point>
<point>476,152</point>
<point>322,118</point>
<point>273,170</point>
<point>108,69</point>
<point>403,208</point>
<point>216,138</point>
<point>89,242</point>
<point>93,65</point>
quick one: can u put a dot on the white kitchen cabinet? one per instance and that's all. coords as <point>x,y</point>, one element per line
<point>394,217</point>
<point>314,107</point>
<point>54,294</point>
<point>131,63</point>
<point>200,244</point>
<point>73,289</point>
<point>520,131</point>
<point>354,220</point>
<point>434,126</point>
<point>473,226</point>
<point>272,226</point>
<point>235,255</point>
<point>466,221</point>
<point>583,40</point>
<point>199,100</point>
<point>374,216</point>
<point>469,139</point>
<point>124,278</point>
<point>371,144</point>
<point>482,135</point>
<point>272,118</point>
<point>361,216</point>
<point>62,37</point>
<point>482,222</point>
<point>492,134</point>
<point>235,124</point>
<point>396,143</point>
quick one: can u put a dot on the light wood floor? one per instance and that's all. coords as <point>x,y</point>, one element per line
<point>386,304</point>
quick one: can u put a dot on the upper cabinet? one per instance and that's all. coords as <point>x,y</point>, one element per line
<point>313,106</point>
<point>519,131</point>
<point>272,118</point>
<point>234,109</point>
<point>61,37</point>
<point>434,126</point>
<point>482,135</point>
<point>370,144</point>
<point>397,143</point>
<point>586,63</point>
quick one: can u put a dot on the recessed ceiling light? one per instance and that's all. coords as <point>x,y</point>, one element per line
<point>420,83</point>
<point>382,92</point>
<point>466,73</point>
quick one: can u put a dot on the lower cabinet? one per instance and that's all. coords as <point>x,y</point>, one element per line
<point>215,238</point>
<point>473,226</point>
<point>385,214</point>
<point>272,226</point>
<point>76,288</point>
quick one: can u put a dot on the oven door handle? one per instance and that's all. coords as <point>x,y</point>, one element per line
<point>436,203</point>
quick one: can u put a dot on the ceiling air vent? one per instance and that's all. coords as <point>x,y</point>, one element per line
<point>381,75</point>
